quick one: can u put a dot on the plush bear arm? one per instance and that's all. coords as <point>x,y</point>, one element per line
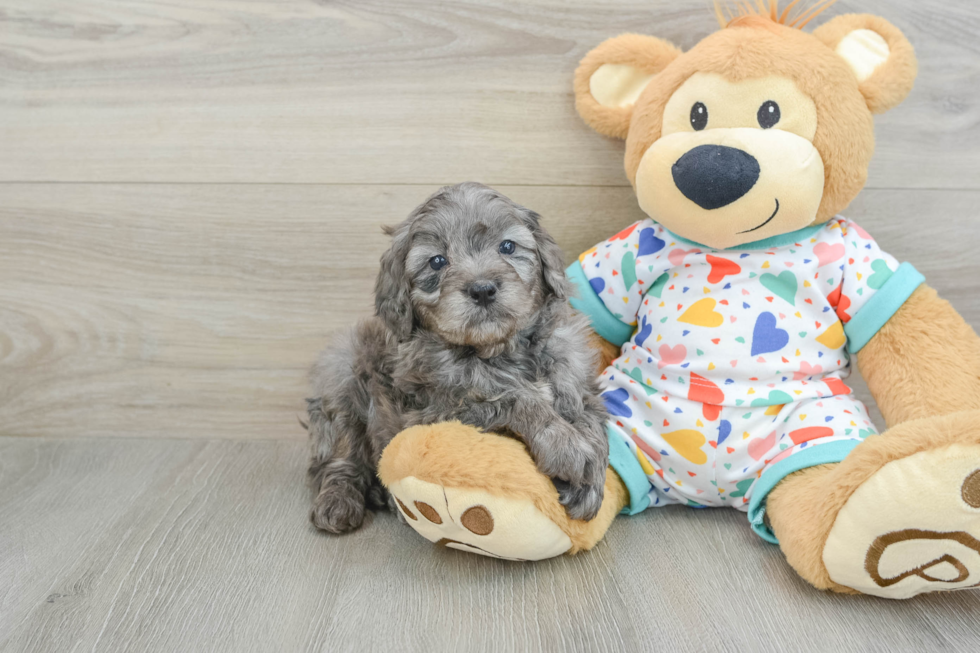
<point>608,352</point>
<point>924,362</point>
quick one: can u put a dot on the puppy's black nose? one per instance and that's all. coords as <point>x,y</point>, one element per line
<point>713,176</point>
<point>483,293</point>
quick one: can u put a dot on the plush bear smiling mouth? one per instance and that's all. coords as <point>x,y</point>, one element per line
<point>771,217</point>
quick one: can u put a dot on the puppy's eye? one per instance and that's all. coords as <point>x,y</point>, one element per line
<point>768,114</point>
<point>507,247</point>
<point>438,262</point>
<point>699,116</point>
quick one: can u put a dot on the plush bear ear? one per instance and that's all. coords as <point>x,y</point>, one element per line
<point>611,77</point>
<point>878,53</point>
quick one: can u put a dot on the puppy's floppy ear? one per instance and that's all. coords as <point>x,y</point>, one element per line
<point>879,54</point>
<point>550,254</point>
<point>392,291</point>
<point>611,77</point>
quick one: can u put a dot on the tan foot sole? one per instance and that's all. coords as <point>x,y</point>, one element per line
<point>913,527</point>
<point>476,521</point>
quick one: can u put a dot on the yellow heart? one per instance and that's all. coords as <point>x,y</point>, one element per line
<point>687,443</point>
<point>645,464</point>
<point>765,266</point>
<point>711,366</point>
<point>702,313</point>
<point>833,338</point>
<point>806,284</point>
<point>698,423</point>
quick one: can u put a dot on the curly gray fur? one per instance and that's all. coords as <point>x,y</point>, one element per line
<point>489,339</point>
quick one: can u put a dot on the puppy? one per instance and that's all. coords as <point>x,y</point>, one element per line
<point>473,324</point>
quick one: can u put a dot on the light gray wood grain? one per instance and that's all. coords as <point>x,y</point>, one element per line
<point>158,310</point>
<point>123,545</point>
<point>384,91</point>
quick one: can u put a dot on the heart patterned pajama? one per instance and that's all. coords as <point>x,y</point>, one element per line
<point>732,365</point>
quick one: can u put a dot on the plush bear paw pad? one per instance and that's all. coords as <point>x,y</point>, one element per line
<point>474,520</point>
<point>913,527</point>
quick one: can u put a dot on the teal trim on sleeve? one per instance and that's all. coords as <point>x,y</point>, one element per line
<point>832,452</point>
<point>587,302</point>
<point>881,306</point>
<point>624,463</point>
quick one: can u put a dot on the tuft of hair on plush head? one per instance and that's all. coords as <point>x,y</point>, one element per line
<point>745,13</point>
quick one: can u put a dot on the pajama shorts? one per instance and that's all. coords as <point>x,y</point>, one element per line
<point>677,451</point>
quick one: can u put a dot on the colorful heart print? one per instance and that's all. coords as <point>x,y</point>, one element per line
<point>766,336</point>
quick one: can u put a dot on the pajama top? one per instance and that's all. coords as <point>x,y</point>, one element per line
<point>733,361</point>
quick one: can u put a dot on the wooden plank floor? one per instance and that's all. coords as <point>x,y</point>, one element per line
<point>191,197</point>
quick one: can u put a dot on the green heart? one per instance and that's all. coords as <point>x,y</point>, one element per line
<point>663,319</point>
<point>743,487</point>
<point>740,339</point>
<point>700,353</point>
<point>803,334</point>
<point>628,266</point>
<point>728,465</point>
<point>776,398</point>
<point>783,286</point>
<point>657,288</point>
<point>637,375</point>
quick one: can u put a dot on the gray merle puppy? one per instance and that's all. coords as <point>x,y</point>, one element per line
<point>473,324</point>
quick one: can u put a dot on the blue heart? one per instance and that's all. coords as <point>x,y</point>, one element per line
<point>598,285</point>
<point>645,330</point>
<point>766,336</point>
<point>616,402</point>
<point>724,430</point>
<point>649,243</point>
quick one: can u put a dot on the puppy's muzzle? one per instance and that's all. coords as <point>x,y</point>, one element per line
<point>483,293</point>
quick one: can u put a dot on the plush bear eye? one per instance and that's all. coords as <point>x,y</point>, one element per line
<point>699,116</point>
<point>438,262</point>
<point>507,247</point>
<point>768,114</point>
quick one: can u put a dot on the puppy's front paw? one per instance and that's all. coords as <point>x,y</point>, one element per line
<point>560,451</point>
<point>582,501</point>
<point>338,508</point>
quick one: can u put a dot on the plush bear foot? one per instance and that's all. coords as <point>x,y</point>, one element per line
<point>478,522</point>
<point>479,492</point>
<point>913,527</point>
<point>900,516</point>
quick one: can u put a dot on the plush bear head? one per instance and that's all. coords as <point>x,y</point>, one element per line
<point>758,130</point>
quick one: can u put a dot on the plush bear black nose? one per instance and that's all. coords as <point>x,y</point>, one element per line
<point>713,176</point>
<point>483,293</point>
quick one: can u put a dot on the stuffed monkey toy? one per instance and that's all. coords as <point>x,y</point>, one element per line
<point>732,315</point>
